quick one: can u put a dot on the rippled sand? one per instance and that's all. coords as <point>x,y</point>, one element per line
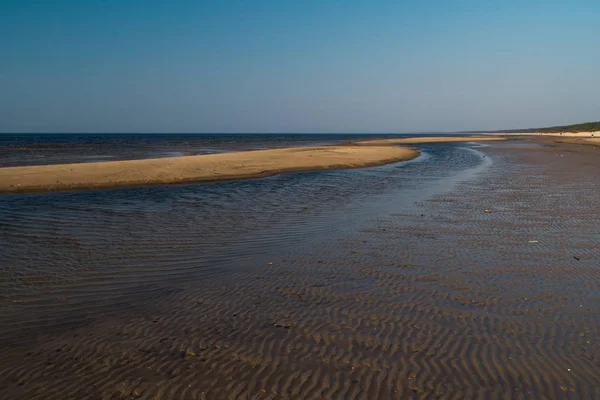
<point>440,299</point>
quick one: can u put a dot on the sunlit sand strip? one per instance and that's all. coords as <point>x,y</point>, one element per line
<point>568,134</point>
<point>583,135</point>
<point>204,168</point>
<point>431,139</point>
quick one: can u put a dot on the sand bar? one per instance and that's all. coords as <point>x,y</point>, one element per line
<point>203,168</point>
<point>431,139</point>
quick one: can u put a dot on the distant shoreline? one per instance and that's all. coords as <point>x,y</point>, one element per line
<point>212,167</point>
<point>582,128</point>
<point>587,138</point>
<point>594,134</point>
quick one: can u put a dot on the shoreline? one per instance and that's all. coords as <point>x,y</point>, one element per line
<point>212,167</point>
<point>582,135</point>
<point>585,138</point>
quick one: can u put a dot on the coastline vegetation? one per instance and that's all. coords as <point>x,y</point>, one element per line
<point>584,127</point>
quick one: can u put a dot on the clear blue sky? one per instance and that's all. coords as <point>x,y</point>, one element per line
<point>297,66</point>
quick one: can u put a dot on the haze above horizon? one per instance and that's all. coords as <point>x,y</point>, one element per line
<point>299,66</point>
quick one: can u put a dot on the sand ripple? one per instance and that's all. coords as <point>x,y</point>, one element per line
<point>436,299</point>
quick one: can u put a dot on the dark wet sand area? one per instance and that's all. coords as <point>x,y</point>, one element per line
<point>436,299</point>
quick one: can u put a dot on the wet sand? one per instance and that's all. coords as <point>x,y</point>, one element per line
<point>549,139</point>
<point>203,168</point>
<point>440,300</point>
<point>593,141</point>
<point>566,137</point>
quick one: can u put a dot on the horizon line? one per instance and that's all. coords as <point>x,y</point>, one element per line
<point>237,133</point>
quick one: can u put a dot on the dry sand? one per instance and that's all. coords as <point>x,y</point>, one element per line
<point>561,134</point>
<point>571,134</point>
<point>204,168</point>
<point>436,139</point>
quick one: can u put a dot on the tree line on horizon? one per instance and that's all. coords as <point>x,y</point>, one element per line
<point>585,127</point>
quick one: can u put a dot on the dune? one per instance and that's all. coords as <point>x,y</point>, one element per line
<point>202,168</point>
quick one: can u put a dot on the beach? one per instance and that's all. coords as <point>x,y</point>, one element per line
<point>469,272</point>
<point>300,200</point>
<point>585,138</point>
<point>211,167</point>
<point>435,139</point>
<point>570,134</point>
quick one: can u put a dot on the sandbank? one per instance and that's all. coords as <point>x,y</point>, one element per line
<point>431,139</point>
<point>191,169</point>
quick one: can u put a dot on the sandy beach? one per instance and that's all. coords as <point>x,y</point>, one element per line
<point>300,200</point>
<point>570,134</point>
<point>131,294</point>
<point>583,135</point>
<point>214,167</point>
<point>433,139</point>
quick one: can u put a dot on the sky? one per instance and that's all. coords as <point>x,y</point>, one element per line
<point>297,66</point>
